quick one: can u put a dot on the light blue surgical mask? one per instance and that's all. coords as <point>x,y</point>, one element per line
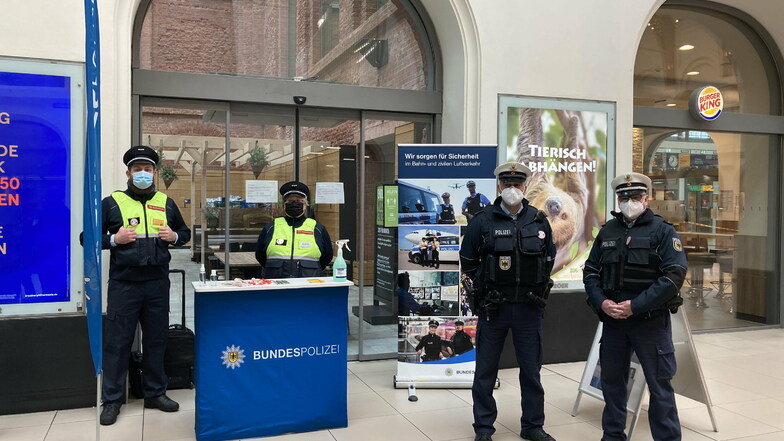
<point>142,180</point>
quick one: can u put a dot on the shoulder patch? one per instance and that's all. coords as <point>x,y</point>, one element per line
<point>676,244</point>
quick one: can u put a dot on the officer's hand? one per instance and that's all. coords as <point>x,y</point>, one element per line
<point>166,233</point>
<point>124,235</point>
<point>626,308</point>
<point>612,309</point>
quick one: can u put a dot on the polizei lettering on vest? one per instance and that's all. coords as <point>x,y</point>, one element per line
<point>304,351</point>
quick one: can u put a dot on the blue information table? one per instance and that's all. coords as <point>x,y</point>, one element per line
<point>270,359</point>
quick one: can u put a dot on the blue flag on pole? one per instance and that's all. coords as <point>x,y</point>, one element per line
<point>92,185</point>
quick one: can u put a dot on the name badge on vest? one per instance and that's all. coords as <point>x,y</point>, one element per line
<point>134,221</point>
<point>280,241</point>
<point>504,262</point>
<point>608,243</point>
<point>502,233</point>
<point>157,222</point>
<point>304,244</point>
<point>304,232</point>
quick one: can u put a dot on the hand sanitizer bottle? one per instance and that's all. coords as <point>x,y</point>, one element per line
<point>202,275</point>
<point>339,269</point>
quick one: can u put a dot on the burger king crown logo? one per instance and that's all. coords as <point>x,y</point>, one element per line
<point>707,103</point>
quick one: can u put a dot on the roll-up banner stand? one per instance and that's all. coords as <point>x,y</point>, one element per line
<point>433,198</point>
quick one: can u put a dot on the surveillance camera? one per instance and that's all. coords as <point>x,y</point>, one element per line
<point>300,100</point>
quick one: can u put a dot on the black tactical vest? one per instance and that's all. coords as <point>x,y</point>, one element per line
<point>447,214</point>
<point>628,257</point>
<point>516,253</point>
<point>474,204</point>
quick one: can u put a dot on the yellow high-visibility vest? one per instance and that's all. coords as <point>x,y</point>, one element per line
<point>145,219</point>
<point>293,243</point>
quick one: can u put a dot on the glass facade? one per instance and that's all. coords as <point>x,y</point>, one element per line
<point>221,149</point>
<point>720,191</point>
<point>683,49</point>
<point>719,188</point>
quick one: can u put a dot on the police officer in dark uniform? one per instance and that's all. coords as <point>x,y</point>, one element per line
<point>294,245</point>
<point>508,252</point>
<point>431,343</point>
<point>406,303</point>
<point>633,277</point>
<point>446,212</point>
<point>461,342</point>
<point>139,225</point>
<point>474,202</point>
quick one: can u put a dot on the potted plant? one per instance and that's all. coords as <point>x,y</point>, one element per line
<point>211,217</point>
<point>165,171</point>
<point>168,175</point>
<point>257,160</point>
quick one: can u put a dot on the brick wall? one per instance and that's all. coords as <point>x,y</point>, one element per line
<point>250,37</point>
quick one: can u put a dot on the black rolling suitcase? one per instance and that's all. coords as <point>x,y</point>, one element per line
<point>179,358</point>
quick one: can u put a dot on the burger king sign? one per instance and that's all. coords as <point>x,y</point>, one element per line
<point>706,103</point>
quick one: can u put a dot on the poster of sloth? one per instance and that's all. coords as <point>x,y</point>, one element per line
<point>567,152</point>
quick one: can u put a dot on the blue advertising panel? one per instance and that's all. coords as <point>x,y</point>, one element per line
<point>35,187</point>
<point>270,361</point>
<point>445,161</point>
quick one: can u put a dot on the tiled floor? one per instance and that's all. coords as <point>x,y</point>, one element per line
<point>744,373</point>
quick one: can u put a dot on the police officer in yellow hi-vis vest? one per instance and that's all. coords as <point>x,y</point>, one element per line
<point>139,225</point>
<point>294,245</point>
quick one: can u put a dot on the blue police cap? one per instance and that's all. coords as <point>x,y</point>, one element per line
<point>140,153</point>
<point>295,187</point>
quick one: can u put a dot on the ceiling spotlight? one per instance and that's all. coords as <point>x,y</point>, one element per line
<point>692,73</point>
<point>671,104</point>
<point>686,47</point>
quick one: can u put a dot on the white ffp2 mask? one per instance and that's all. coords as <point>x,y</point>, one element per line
<point>512,195</point>
<point>632,209</point>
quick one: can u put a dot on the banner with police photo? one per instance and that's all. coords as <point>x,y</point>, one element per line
<point>565,143</point>
<point>440,187</point>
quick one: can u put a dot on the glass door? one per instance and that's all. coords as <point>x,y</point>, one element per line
<point>329,140</point>
<point>260,158</point>
<point>190,137</point>
<point>382,132</point>
<point>721,191</point>
<point>216,155</point>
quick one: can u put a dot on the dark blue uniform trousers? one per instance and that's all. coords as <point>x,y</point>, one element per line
<point>525,321</point>
<point>129,303</point>
<point>651,340</point>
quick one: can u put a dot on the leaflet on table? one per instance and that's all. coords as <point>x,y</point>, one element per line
<point>271,283</point>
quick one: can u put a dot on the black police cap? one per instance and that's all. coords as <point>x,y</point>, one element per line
<point>433,323</point>
<point>295,187</point>
<point>140,153</point>
<point>459,323</point>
